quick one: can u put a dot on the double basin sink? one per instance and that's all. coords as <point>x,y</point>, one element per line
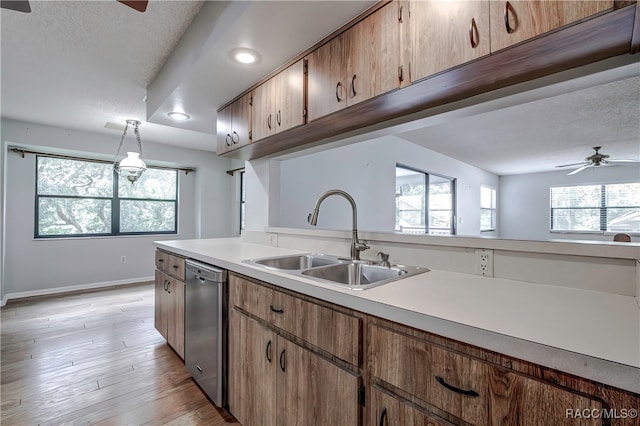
<point>342,272</point>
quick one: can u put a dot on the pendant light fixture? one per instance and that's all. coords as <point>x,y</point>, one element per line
<point>132,166</point>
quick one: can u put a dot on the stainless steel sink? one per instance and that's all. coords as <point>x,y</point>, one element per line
<point>296,262</point>
<point>360,276</point>
<point>342,272</point>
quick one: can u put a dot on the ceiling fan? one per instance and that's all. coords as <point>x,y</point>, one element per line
<point>594,160</point>
<point>24,6</point>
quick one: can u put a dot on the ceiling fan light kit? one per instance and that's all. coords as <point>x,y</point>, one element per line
<point>595,160</point>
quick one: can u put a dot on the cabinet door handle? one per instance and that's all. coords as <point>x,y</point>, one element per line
<point>279,118</point>
<point>337,94</point>
<point>269,121</point>
<point>507,8</point>
<point>353,85</point>
<point>455,389</point>
<point>383,415</point>
<point>282,360</point>
<point>473,33</point>
<point>268,351</point>
<point>235,139</point>
<point>165,285</point>
<point>228,139</point>
<point>276,310</point>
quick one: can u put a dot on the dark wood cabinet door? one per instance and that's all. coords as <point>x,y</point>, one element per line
<point>263,111</point>
<point>326,78</point>
<point>445,34</point>
<point>520,20</point>
<point>175,315</point>
<point>386,409</point>
<point>289,97</point>
<point>374,55</point>
<point>252,375</point>
<point>161,304</point>
<point>241,121</point>
<point>312,390</point>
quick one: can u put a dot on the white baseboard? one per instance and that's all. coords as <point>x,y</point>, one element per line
<point>59,290</point>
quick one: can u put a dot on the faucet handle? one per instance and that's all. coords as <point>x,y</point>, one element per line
<point>384,259</point>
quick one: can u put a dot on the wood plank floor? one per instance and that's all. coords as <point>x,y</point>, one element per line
<point>95,358</point>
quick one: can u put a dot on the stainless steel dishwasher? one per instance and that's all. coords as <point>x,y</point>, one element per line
<point>206,328</point>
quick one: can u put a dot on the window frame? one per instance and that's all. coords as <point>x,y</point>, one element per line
<point>493,210</point>
<point>602,208</point>
<point>115,200</point>
<point>425,207</point>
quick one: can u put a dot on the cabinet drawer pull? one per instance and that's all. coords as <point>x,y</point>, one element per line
<point>282,360</point>
<point>276,310</point>
<point>235,139</point>
<point>455,389</point>
<point>228,139</point>
<point>383,415</point>
<point>176,266</point>
<point>353,85</point>
<point>508,8</point>
<point>160,260</point>
<point>268,351</point>
<point>165,285</point>
<point>169,287</point>
<point>337,94</point>
<point>473,33</point>
<point>269,121</point>
<point>279,118</point>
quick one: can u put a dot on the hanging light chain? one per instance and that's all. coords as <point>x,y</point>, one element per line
<point>115,160</point>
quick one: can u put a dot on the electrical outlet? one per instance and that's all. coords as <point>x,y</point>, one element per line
<point>123,259</point>
<point>484,262</point>
<point>273,240</point>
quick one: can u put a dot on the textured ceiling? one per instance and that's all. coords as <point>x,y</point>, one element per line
<point>539,135</point>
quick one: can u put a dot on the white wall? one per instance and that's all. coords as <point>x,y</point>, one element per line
<point>367,171</point>
<point>50,265</point>
<point>523,201</point>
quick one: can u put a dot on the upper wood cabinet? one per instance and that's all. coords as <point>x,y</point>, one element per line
<point>515,21</point>
<point>278,103</point>
<point>233,125</point>
<point>358,64</point>
<point>443,34</point>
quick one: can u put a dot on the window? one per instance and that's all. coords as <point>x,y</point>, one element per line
<point>77,197</point>
<point>596,208</point>
<point>424,202</point>
<point>487,208</point>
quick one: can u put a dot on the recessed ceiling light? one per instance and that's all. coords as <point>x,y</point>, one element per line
<point>245,56</point>
<point>178,116</point>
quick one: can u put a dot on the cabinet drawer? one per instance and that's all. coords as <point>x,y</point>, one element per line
<point>330,330</point>
<point>170,264</point>
<point>389,410</point>
<point>454,383</point>
<point>445,379</point>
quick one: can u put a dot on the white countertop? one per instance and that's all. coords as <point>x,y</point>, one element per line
<point>587,333</point>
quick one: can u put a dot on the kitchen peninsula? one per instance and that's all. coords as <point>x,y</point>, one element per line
<point>544,343</point>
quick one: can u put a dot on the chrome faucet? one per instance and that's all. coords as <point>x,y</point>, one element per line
<point>356,245</point>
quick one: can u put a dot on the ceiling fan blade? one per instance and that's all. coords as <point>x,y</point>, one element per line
<point>586,166</point>
<point>584,163</point>
<point>17,5</point>
<point>139,5</point>
<point>622,161</point>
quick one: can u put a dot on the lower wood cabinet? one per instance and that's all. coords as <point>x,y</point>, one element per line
<point>462,388</point>
<point>386,409</point>
<point>169,310</point>
<point>274,381</point>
